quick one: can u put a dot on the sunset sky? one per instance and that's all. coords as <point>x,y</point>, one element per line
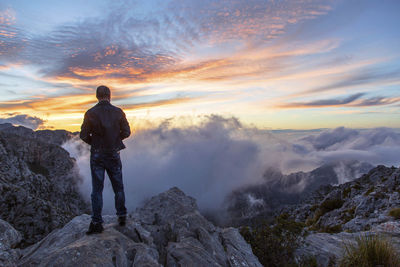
<point>294,64</point>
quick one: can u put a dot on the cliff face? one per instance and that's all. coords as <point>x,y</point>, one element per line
<point>167,230</point>
<point>354,206</point>
<point>336,215</point>
<point>38,190</point>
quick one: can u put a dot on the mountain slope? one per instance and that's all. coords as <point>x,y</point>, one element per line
<point>262,201</point>
<point>337,215</point>
<point>38,183</point>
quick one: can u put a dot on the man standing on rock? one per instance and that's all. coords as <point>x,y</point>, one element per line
<point>104,127</point>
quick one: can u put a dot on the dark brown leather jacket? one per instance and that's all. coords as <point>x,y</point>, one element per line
<point>104,127</point>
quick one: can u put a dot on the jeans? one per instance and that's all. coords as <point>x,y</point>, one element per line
<point>99,164</point>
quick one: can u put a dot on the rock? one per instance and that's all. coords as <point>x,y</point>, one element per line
<point>174,203</point>
<point>239,253</point>
<point>57,137</point>
<point>328,248</point>
<point>9,239</point>
<point>391,230</point>
<point>360,207</point>
<point>38,184</point>
<point>70,246</point>
<point>167,230</point>
<point>355,206</point>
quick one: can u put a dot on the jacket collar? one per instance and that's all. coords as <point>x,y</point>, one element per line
<point>104,102</point>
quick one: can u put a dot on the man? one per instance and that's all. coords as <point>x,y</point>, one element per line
<point>104,127</point>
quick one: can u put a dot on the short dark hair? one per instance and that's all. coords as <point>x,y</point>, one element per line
<point>103,92</point>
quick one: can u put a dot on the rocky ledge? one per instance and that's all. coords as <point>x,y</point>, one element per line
<point>167,230</point>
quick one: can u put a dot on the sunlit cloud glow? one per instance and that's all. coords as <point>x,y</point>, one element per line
<point>258,60</point>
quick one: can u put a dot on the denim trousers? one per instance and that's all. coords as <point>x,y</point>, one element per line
<point>99,164</point>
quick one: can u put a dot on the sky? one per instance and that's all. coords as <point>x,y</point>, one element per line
<point>299,64</point>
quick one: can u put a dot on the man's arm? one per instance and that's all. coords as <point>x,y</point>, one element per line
<point>86,134</point>
<point>125,130</point>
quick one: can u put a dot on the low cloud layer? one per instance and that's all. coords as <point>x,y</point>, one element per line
<point>23,120</point>
<point>211,159</point>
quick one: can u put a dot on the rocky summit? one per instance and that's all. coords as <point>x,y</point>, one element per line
<point>167,230</point>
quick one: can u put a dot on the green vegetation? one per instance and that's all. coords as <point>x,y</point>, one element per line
<point>349,215</point>
<point>37,168</point>
<point>331,204</point>
<point>370,190</point>
<point>313,207</point>
<point>326,206</point>
<point>346,192</point>
<point>274,245</point>
<point>307,262</point>
<point>370,251</point>
<point>357,186</point>
<point>332,229</point>
<point>395,213</point>
<point>379,195</point>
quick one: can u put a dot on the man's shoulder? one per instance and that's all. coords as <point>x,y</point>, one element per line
<point>116,108</point>
<point>90,110</point>
<point>112,108</point>
<point>98,108</point>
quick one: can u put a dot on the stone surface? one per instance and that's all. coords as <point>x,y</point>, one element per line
<point>357,208</point>
<point>167,230</point>
<point>9,239</point>
<point>38,183</point>
<point>328,248</point>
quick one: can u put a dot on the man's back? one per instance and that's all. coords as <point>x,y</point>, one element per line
<point>104,127</point>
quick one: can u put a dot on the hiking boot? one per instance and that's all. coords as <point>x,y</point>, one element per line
<point>95,228</point>
<point>122,220</point>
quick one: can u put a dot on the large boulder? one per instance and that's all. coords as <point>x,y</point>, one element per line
<point>70,246</point>
<point>167,230</point>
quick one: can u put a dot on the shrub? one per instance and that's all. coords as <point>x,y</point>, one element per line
<point>310,261</point>
<point>370,251</point>
<point>357,186</point>
<point>331,204</point>
<point>349,214</point>
<point>370,190</point>
<point>346,192</point>
<point>274,245</point>
<point>332,229</point>
<point>395,213</point>
<point>326,206</point>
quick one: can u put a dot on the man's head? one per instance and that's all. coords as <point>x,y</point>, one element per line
<point>103,93</point>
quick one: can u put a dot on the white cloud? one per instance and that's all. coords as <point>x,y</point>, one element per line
<point>211,159</point>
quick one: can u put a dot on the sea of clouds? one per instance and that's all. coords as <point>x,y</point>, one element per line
<point>211,158</point>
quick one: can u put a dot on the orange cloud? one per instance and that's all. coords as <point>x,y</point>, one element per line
<point>7,17</point>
